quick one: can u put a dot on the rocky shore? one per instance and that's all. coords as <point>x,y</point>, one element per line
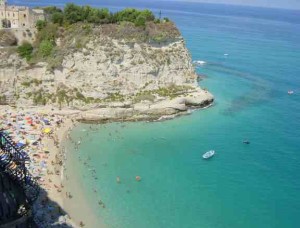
<point>145,111</point>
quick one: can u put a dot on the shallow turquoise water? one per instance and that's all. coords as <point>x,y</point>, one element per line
<point>256,185</point>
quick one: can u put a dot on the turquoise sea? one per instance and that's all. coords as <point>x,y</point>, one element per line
<point>255,185</point>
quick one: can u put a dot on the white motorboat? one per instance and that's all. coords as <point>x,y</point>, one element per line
<point>208,154</point>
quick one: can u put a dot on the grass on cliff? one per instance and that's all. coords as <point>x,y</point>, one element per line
<point>62,96</point>
<point>171,92</point>
<point>70,96</point>
<point>73,27</point>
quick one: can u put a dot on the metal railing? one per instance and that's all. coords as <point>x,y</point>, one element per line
<point>13,161</point>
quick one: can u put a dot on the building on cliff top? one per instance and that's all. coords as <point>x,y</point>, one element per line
<point>19,16</point>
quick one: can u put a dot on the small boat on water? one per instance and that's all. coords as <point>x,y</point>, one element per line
<point>290,92</point>
<point>208,154</point>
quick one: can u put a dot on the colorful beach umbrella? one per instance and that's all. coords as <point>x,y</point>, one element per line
<point>47,130</point>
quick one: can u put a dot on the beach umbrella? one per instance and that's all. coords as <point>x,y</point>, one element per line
<point>20,144</point>
<point>46,121</point>
<point>47,130</point>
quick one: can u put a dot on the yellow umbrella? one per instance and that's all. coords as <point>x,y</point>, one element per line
<point>47,130</point>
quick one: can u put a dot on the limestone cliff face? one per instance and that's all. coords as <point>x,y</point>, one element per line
<point>107,66</point>
<point>105,71</point>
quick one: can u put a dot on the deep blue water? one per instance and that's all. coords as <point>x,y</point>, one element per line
<point>256,185</point>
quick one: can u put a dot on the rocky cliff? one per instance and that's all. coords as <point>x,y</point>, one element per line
<point>106,77</point>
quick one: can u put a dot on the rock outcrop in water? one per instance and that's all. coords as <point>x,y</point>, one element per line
<point>100,75</point>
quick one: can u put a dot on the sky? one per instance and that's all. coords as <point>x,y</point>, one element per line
<point>287,4</point>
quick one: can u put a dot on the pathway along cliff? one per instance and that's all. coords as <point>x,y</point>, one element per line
<point>106,73</point>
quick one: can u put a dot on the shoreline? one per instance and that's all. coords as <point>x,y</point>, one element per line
<point>54,187</point>
<point>57,155</point>
<point>77,205</point>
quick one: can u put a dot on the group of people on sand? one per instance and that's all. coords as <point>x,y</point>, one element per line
<point>30,130</point>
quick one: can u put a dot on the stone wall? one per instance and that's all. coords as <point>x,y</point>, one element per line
<point>19,17</point>
<point>22,34</point>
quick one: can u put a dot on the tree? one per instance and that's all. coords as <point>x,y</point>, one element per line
<point>57,18</point>
<point>128,14</point>
<point>148,15</point>
<point>166,19</point>
<point>52,9</point>
<point>140,20</point>
<point>73,13</point>
<point>40,24</point>
<point>87,11</point>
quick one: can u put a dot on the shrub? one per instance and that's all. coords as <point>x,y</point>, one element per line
<point>54,62</point>
<point>62,96</point>
<point>144,97</point>
<point>48,33</point>
<point>73,13</point>
<point>39,97</point>
<point>51,10</point>
<point>25,50</point>
<point>2,99</point>
<point>36,82</point>
<point>45,48</point>
<point>140,21</point>
<point>157,21</point>
<point>57,18</point>
<point>26,84</point>
<point>40,24</point>
<point>79,96</point>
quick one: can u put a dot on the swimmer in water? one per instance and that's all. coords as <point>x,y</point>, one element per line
<point>118,180</point>
<point>138,178</point>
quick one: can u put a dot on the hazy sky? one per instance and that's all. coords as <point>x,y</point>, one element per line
<point>289,4</point>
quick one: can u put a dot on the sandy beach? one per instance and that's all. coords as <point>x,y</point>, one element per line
<point>40,132</point>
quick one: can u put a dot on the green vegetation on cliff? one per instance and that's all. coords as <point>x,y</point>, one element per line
<point>73,14</point>
<point>25,51</point>
<point>74,26</point>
